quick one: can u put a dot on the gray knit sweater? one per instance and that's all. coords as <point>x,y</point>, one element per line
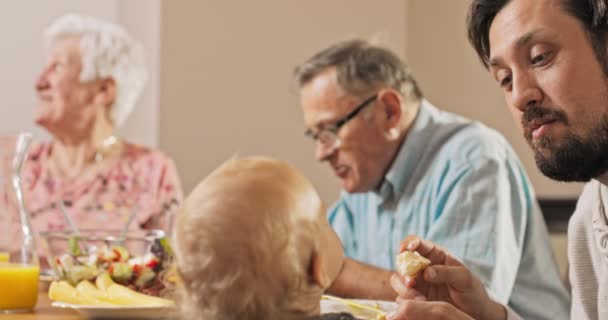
<point>588,255</point>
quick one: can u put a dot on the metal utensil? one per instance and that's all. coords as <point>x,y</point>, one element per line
<point>82,249</point>
<point>125,229</point>
<point>68,218</point>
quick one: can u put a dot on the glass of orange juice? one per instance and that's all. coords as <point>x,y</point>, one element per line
<point>19,268</point>
<point>19,283</point>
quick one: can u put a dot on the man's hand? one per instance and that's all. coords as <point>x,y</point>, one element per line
<point>447,281</point>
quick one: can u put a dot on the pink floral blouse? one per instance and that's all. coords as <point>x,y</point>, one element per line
<point>143,183</point>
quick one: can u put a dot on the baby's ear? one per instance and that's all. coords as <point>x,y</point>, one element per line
<point>318,272</point>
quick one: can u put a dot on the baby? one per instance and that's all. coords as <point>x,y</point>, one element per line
<point>252,242</point>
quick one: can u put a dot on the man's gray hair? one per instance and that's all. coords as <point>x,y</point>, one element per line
<point>361,67</point>
<point>107,51</point>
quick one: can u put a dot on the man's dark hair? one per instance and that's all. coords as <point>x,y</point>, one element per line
<point>592,14</point>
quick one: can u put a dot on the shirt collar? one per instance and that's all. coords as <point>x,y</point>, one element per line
<point>410,152</point>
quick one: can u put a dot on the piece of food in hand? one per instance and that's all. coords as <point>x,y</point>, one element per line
<point>64,292</point>
<point>411,263</point>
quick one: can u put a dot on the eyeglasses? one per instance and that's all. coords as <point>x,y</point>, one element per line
<point>328,136</point>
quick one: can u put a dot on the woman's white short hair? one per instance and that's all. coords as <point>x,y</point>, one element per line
<point>107,51</point>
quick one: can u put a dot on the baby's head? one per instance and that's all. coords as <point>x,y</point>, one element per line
<point>252,242</point>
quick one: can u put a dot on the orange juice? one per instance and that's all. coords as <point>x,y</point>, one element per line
<point>18,286</point>
<point>3,256</point>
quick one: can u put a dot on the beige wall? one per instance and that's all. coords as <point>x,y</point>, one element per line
<point>21,29</point>
<point>226,66</point>
<point>225,86</point>
<point>452,78</point>
<point>226,72</point>
<point>142,19</point>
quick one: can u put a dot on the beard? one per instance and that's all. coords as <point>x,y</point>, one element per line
<point>578,158</point>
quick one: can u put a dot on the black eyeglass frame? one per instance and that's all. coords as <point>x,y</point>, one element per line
<point>340,123</point>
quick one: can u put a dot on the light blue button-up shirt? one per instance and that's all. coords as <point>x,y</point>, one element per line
<point>459,184</point>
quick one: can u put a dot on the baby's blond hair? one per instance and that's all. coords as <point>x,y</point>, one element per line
<point>244,242</point>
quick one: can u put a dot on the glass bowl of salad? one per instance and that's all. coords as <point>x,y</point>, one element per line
<point>138,259</point>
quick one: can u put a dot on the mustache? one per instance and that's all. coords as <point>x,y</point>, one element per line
<point>535,112</point>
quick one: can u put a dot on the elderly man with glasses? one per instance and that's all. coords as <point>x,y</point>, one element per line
<point>409,168</point>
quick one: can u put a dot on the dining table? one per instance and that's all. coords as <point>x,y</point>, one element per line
<point>44,311</point>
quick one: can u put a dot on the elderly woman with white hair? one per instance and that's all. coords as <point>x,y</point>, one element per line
<point>92,78</point>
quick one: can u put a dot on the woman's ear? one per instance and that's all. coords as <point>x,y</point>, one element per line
<point>106,92</point>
